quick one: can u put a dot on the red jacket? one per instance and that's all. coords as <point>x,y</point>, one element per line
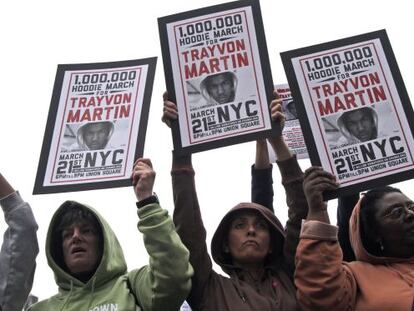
<point>324,282</point>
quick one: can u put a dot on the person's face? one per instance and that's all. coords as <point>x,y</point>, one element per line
<point>96,136</point>
<point>81,248</point>
<point>361,125</point>
<point>395,224</point>
<point>221,89</point>
<point>249,238</point>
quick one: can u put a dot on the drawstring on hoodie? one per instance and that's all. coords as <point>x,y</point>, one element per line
<point>92,292</point>
<point>67,296</point>
<point>71,290</point>
<point>239,291</point>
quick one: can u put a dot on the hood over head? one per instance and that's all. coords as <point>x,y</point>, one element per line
<point>107,125</point>
<point>276,230</point>
<point>112,263</point>
<point>358,242</point>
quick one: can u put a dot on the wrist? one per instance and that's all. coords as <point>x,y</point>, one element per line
<point>277,140</point>
<point>151,199</point>
<point>319,215</point>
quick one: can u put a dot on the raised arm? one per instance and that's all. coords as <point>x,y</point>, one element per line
<point>262,182</point>
<point>19,249</point>
<point>292,178</point>
<point>166,281</point>
<point>187,216</point>
<point>322,282</point>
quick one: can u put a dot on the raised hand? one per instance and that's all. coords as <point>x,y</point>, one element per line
<point>278,143</point>
<point>276,110</point>
<point>317,181</point>
<point>170,112</point>
<point>143,177</point>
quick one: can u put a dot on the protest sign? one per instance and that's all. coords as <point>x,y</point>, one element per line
<point>354,110</point>
<point>217,72</point>
<point>292,132</point>
<point>96,125</point>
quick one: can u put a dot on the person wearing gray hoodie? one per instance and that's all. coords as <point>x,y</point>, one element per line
<point>18,251</point>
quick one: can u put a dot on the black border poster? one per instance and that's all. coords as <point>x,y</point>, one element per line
<point>217,70</point>
<point>354,110</point>
<point>96,125</point>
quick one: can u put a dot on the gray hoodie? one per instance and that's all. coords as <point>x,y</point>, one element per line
<point>18,253</point>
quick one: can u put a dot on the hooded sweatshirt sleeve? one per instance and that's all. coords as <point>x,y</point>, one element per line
<point>292,180</point>
<point>322,281</point>
<point>262,186</point>
<point>18,253</point>
<point>187,218</point>
<point>166,281</point>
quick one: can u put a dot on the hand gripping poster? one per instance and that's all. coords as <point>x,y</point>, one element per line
<point>354,110</point>
<point>96,125</point>
<point>217,72</point>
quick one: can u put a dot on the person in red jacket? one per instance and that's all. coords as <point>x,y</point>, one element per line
<point>382,237</point>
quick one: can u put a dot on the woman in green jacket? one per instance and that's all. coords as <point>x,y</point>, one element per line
<point>89,265</point>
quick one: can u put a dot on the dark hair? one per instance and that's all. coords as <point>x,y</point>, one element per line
<point>367,218</point>
<point>106,124</point>
<point>71,212</point>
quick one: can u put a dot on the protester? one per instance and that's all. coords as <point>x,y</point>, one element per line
<point>249,244</point>
<point>89,265</point>
<point>219,88</point>
<point>18,251</point>
<point>381,229</point>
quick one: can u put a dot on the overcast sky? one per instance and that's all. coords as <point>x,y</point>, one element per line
<point>38,35</point>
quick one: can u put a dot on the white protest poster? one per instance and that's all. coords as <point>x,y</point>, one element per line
<point>96,125</point>
<point>292,132</point>
<point>354,110</point>
<point>217,72</point>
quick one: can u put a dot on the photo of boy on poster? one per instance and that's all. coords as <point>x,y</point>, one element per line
<point>354,111</point>
<point>219,88</point>
<point>89,136</point>
<point>289,108</point>
<point>360,125</point>
<point>217,70</point>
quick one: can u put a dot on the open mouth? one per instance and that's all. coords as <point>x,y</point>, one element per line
<point>77,250</point>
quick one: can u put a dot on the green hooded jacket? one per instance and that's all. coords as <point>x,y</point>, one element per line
<point>161,285</point>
